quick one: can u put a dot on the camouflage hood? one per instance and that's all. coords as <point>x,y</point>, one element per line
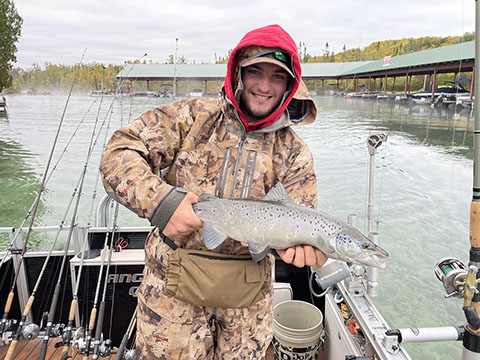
<point>297,106</point>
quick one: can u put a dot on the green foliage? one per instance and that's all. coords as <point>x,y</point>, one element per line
<point>10,30</point>
<point>54,77</point>
<point>180,60</point>
<point>223,59</point>
<point>379,49</point>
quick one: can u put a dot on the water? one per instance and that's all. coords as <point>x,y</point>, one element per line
<point>423,184</point>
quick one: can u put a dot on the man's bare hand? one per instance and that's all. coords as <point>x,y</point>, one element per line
<point>184,220</point>
<point>301,255</point>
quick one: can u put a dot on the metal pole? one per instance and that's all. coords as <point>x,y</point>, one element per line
<point>175,70</point>
<point>370,192</point>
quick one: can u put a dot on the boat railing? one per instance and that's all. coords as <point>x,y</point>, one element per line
<point>79,236</point>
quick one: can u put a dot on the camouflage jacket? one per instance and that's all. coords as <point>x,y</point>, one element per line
<point>201,145</point>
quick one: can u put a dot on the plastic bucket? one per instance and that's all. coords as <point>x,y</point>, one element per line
<point>297,330</point>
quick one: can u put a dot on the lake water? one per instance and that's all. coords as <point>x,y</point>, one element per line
<point>423,185</point>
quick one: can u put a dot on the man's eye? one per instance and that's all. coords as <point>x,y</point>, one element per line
<point>279,77</point>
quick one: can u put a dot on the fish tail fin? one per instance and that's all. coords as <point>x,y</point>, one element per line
<point>211,237</point>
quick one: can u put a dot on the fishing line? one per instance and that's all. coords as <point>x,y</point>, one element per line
<point>99,325</point>
<point>93,314</point>
<point>54,168</point>
<point>73,305</point>
<point>115,272</point>
<point>382,173</point>
<point>13,344</point>
<point>76,193</point>
<point>93,142</point>
<point>461,57</point>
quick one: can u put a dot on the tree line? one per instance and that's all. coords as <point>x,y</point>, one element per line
<point>98,76</point>
<point>379,49</point>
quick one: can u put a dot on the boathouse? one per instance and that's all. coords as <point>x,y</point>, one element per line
<point>453,59</point>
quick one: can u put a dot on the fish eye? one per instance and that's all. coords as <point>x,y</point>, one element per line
<point>366,246</point>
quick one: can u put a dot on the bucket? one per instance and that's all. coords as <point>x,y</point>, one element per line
<point>297,330</point>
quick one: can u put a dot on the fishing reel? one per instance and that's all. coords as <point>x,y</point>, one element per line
<point>78,339</point>
<point>57,330</point>
<point>9,325</point>
<point>30,331</point>
<point>130,355</point>
<point>452,273</point>
<point>374,141</point>
<point>105,348</point>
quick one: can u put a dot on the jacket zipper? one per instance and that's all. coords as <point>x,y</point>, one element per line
<point>237,164</point>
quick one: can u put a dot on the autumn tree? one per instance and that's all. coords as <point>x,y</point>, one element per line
<point>10,29</point>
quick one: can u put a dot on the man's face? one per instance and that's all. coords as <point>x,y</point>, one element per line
<point>263,87</point>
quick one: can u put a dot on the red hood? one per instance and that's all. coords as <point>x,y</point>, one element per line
<point>268,36</point>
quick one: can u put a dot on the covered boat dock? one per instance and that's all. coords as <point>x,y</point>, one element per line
<point>453,59</point>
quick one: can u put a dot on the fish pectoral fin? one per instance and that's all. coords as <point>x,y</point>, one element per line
<point>258,251</point>
<point>212,238</point>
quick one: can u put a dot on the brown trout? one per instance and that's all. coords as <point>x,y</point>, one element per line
<point>276,222</point>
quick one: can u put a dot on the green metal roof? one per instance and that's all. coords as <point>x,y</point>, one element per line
<point>315,70</point>
<point>163,71</point>
<point>442,55</point>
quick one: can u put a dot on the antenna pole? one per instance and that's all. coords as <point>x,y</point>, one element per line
<point>175,70</point>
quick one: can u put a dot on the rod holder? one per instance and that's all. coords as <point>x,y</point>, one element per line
<point>373,273</point>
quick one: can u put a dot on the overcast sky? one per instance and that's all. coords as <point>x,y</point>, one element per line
<point>58,31</point>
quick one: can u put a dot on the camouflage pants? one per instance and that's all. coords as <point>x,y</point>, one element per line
<point>176,330</point>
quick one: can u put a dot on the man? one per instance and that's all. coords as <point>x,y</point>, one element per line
<point>238,146</point>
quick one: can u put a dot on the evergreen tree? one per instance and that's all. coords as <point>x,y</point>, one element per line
<point>10,29</point>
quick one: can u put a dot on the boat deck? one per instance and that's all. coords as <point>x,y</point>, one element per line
<point>30,350</point>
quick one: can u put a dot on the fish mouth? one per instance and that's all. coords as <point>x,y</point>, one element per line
<point>372,261</point>
<point>372,258</point>
<point>377,252</point>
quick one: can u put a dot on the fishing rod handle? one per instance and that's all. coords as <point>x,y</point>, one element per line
<point>101,314</point>
<point>475,224</point>
<point>51,316</point>
<point>43,350</point>
<point>121,348</point>
<point>8,305</point>
<point>93,317</point>
<point>91,326</point>
<point>28,306</point>
<point>11,349</point>
<point>98,330</point>
<point>68,338</point>
<point>6,312</point>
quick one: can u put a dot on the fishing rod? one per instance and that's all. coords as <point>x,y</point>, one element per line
<point>126,336</point>
<point>51,315</point>
<point>5,325</point>
<point>68,332</point>
<point>54,168</point>
<point>93,313</point>
<point>101,314</point>
<point>73,224</point>
<point>471,304</point>
<point>73,305</point>
<point>13,344</point>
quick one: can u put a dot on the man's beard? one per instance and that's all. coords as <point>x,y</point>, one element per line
<point>257,116</point>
